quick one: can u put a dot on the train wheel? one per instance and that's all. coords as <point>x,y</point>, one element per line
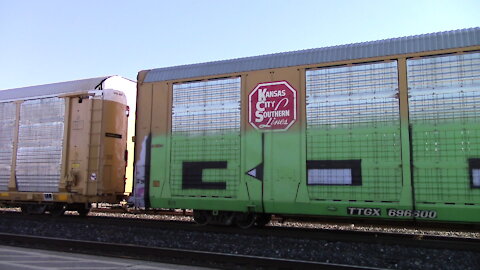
<point>33,209</point>
<point>262,220</point>
<point>24,209</point>
<point>200,217</point>
<point>81,208</point>
<point>245,220</point>
<point>83,211</point>
<point>57,209</point>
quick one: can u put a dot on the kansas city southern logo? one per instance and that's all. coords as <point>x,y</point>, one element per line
<point>272,106</point>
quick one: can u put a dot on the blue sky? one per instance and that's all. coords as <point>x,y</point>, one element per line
<point>52,41</point>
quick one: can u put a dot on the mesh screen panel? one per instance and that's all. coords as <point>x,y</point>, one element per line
<point>40,143</point>
<point>444,112</point>
<point>7,126</point>
<point>353,114</point>
<point>206,130</point>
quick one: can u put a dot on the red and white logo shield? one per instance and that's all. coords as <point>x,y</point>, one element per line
<point>272,106</point>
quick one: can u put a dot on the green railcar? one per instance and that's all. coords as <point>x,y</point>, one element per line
<point>379,130</point>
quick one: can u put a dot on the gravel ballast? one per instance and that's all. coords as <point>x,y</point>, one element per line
<point>351,253</point>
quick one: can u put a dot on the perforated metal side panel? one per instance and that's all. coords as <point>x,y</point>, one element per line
<point>7,126</point>
<point>353,127</point>
<point>206,134</point>
<point>444,109</point>
<point>40,143</point>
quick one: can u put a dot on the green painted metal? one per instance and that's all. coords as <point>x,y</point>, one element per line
<point>441,154</point>
<point>167,168</point>
<point>445,133</point>
<point>284,189</point>
<point>284,169</point>
<point>206,148</point>
<point>378,148</point>
<point>252,156</point>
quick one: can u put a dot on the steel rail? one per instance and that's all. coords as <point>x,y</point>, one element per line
<point>167,255</point>
<point>389,238</point>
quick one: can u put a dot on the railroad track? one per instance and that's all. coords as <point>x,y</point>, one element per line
<point>375,249</point>
<point>411,240</point>
<point>167,255</point>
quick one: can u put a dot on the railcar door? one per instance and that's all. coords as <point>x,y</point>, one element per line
<point>444,108</point>
<point>273,150</point>
<point>354,142</point>
<point>195,158</point>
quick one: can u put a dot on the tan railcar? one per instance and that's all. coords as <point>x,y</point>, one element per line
<point>63,146</point>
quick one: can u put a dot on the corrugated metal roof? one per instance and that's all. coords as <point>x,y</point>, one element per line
<point>52,89</point>
<point>403,45</point>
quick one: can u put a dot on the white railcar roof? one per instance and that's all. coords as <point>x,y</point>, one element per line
<point>395,46</point>
<point>59,88</point>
